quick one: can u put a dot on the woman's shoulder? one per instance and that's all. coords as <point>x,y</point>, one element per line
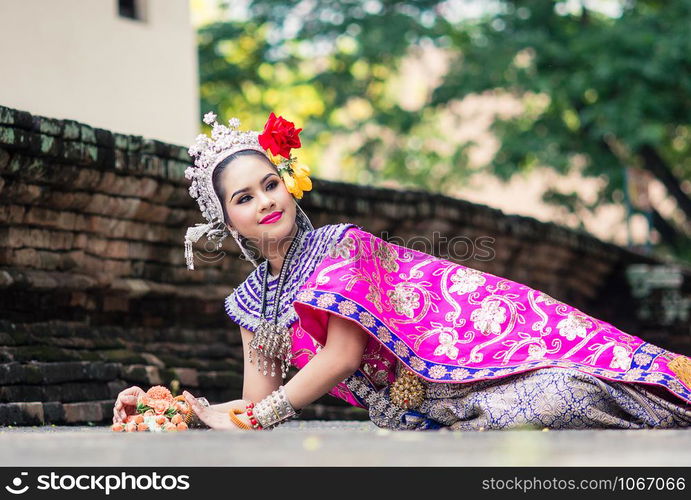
<point>325,237</point>
<point>241,304</point>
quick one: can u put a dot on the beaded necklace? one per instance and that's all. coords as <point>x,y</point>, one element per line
<point>272,342</point>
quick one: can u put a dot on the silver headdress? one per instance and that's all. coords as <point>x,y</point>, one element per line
<point>209,152</point>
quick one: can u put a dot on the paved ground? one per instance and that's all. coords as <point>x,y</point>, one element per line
<point>341,443</point>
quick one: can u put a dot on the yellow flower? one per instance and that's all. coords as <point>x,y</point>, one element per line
<point>301,173</point>
<point>275,159</point>
<point>304,183</point>
<point>289,182</point>
<point>292,185</point>
<point>301,170</point>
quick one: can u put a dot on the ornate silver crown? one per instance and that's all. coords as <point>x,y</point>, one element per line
<point>208,152</point>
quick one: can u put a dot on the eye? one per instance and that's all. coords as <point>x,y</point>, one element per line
<point>271,185</point>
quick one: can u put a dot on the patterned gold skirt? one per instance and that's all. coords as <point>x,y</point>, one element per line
<point>554,398</point>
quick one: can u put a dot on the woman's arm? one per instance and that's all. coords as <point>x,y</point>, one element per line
<point>255,385</point>
<point>339,358</point>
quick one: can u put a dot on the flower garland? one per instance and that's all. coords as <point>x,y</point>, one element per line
<point>157,410</point>
<point>278,138</point>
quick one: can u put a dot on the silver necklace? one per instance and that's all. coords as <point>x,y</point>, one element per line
<point>271,342</point>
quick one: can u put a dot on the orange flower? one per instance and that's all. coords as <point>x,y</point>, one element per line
<point>182,408</point>
<point>144,400</point>
<point>159,406</point>
<point>176,419</point>
<point>160,392</point>
<point>139,419</point>
<point>118,427</point>
<point>142,427</point>
<point>182,426</point>
<point>170,427</point>
<point>161,420</point>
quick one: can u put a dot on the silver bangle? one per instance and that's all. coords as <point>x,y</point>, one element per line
<point>274,409</point>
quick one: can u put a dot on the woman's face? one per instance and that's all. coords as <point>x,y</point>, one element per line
<point>252,191</point>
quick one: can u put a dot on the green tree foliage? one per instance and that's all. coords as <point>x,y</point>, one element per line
<point>600,92</point>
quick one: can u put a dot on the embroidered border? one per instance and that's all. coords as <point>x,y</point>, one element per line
<point>642,359</point>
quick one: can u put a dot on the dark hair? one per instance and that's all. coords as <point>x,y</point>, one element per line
<point>218,172</point>
<point>253,250</point>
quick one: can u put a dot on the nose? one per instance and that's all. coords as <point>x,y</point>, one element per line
<point>266,203</point>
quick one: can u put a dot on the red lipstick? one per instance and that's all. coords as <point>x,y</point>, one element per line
<point>271,218</point>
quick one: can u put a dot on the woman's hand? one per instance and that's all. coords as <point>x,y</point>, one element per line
<point>215,417</point>
<point>126,404</point>
<point>237,404</point>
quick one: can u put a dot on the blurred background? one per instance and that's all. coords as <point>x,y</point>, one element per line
<point>576,112</point>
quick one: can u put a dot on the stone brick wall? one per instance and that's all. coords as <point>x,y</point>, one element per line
<point>95,295</point>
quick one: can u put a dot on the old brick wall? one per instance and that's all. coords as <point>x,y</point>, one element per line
<point>95,296</point>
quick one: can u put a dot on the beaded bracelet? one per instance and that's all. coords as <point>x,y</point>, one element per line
<point>250,413</point>
<point>274,409</point>
<point>233,418</point>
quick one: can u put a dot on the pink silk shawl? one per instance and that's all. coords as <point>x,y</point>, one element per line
<point>454,324</point>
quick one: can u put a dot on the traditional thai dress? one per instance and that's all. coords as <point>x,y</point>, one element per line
<point>464,349</point>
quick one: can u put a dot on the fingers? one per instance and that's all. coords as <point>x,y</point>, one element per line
<point>192,401</point>
<point>127,397</point>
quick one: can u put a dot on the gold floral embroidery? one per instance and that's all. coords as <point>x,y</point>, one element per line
<point>653,377</point>
<point>326,300</point>
<point>574,325</point>
<point>384,334</point>
<point>437,371</point>
<point>642,359</point>
<point>401,349</point>
<point>374,296</point>
<point>417,364</point>
<point>347,308</point>
<point>367,319</point>
<point>342,248</point>
<point>460,374</point>
<point>465,280</point>
<point>305,295</point>
<point>404,299</point>
<point>651,348</point>
<point>387,257</point>
<point>633,374</point>
<point>488,318</point>
<point>481,373</point>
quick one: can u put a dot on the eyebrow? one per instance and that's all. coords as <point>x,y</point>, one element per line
<point>247,189</point>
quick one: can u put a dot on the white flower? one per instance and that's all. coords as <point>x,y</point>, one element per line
<point>447,340</point>
<point>621,358</point>
<point>210,117</point>
<point>574,325</point>
<point>489,317</point>
<point>234,122</point>
<point>466,280</point>
<point>189,173</point>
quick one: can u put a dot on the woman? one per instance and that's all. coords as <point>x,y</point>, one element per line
<point>419,341</point>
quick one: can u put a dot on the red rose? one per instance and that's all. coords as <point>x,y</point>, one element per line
<point>279,136</point>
